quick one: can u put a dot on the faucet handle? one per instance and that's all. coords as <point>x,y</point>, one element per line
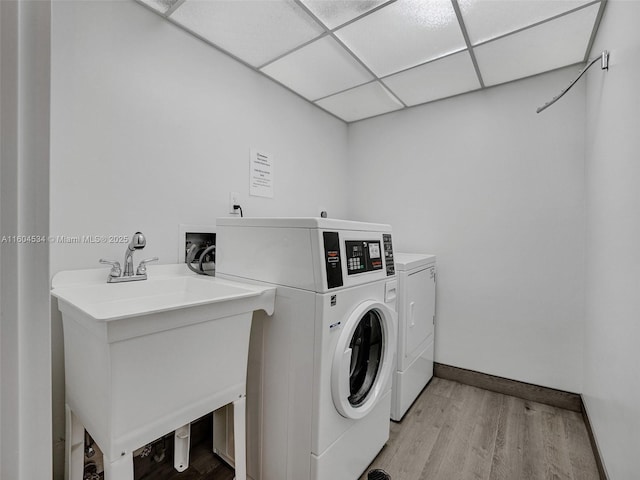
<point>115,267</point>
<point>142,268</point>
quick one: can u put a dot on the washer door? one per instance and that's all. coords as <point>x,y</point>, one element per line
<point>363,359</point>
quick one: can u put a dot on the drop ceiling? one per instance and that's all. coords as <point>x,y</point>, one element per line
<point>361,58</point>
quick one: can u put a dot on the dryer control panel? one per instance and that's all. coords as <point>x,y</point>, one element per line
<point>363,256</point>
<point>388,254</point>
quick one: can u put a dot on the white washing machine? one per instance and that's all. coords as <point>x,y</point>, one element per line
<point>416,317</point>
<point>319,377</point>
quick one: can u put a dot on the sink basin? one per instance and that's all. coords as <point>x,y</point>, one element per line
<point>115,301</point>
<point>167,288</point>
<point>147,357</point>
<point>87,296</point>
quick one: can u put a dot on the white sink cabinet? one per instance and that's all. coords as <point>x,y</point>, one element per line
<point>143,359</point>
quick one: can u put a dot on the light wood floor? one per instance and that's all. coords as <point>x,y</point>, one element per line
<point>452,432</point>
<point>458,432</point>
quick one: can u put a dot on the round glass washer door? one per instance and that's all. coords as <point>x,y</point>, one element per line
<point>363,359</point>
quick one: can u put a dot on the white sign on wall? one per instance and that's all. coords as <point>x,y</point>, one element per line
<point>261,174</point>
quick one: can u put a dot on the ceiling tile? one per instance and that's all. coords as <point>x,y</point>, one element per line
<point>334,13</point>
<point>360,102</point>
<point>255,31</point>
<point>318,69</point>
<point>487,19</point>
<point>161,6</point>
<point>554,44</point>
<point>404,34</point>
<point>438,79</point>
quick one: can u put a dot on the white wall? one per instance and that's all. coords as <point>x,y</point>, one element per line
<point>612,356</point>
<point>497,192</point>
<point>152,128</point>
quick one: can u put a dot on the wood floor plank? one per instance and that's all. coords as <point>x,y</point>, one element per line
<point>557,461</point>
<point>533,467</point>
<point>583,462</point>
<point>507,461</point>
<point>459,432</point>
<point>418,434</point>
<point>483,438</point>
<point>461,447</point>
<point>421,436</point>
<point>439,386</point>
<point>446,432</point>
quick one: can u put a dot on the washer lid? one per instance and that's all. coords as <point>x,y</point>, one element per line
<point>409,261</point>
<point>315,223</point>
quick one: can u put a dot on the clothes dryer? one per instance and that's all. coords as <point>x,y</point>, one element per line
<point>319,381</point>
<point>416,318</point>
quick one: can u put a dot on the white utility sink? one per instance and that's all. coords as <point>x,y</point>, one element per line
<point>145,358</point>
<point>169,288</point>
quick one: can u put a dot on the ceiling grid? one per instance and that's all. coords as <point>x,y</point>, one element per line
<point>362,58</point>
<point>465,34</point>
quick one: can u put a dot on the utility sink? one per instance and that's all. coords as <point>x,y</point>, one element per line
<point>152,302</point>
<point>144,358</point>
<point>169,287</point>
<point>113,302</point>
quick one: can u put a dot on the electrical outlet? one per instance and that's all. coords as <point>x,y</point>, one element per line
<point>233,200</point>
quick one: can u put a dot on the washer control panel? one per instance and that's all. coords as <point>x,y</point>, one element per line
<point>363,256</point>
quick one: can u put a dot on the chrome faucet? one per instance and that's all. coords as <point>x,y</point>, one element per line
<point>138,242</point>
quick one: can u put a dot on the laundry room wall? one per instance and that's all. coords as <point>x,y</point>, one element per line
<point>612,379</point>
<point>497,193</point>
<point>152,128</point>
